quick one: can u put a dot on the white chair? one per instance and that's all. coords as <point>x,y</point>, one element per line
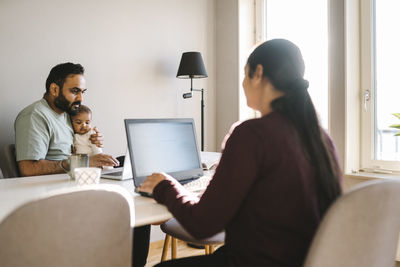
<point>360,229</point>
<point>11,164</point>
<point>79,227</point>
<point>174,230</point>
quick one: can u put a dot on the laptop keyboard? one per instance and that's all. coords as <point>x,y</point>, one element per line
<point>198,185</point>
<point>116,174</point>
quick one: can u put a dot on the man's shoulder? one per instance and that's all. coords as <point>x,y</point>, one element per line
<point>38,108</point>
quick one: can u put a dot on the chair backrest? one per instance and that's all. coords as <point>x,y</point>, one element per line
<point>360,229</point>
<point>11,166</point>
<point>82,227</point>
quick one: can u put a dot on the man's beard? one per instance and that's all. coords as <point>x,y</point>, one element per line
<point>62,103</point>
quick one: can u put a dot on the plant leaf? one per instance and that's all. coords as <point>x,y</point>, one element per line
<point>397,126</point>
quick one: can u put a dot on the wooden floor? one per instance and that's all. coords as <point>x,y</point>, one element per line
<point>183,250</point>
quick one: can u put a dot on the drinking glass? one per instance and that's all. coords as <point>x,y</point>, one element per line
<point>77,161</point>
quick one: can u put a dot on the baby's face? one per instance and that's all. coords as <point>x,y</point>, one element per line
<point>81,123</point>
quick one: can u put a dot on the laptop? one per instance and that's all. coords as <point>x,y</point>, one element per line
<point>163,145</point>
<point>121,173</point>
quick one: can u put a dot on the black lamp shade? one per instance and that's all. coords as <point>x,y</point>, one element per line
<point>191,66</point>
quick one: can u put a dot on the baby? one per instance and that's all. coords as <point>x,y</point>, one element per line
<point>81,123</point>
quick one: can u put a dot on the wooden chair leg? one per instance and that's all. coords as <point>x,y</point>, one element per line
<point>165,248</point>
<point>173,248</point>
<point>207,249</point>
<point>212,247</point>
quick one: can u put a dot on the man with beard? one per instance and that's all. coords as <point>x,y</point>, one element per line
<point>44,137</point>
<point>43,130</point>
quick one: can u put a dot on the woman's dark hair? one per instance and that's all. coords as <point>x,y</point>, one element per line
<point>60,72</point>
<point>283,65</point>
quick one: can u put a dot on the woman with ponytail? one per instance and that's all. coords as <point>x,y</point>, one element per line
<point>277,176</point>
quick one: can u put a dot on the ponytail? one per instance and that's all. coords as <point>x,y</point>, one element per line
<point>297,106</point>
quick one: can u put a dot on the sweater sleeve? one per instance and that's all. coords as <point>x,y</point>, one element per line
<point>236,173</point>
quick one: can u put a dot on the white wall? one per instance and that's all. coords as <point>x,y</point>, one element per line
<point>227,66</point>
<point>130,49</point>
<point>337,69</point>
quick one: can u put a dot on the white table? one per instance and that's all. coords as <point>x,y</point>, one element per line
<point>17,191</point>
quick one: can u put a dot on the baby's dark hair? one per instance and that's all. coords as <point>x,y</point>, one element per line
<point>81,109</point>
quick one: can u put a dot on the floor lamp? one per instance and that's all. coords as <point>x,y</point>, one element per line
<point>192,67</point>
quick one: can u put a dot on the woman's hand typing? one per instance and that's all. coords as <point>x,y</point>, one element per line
<point>151,182</point>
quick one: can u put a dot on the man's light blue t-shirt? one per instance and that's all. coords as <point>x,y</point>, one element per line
<point>42,133</point>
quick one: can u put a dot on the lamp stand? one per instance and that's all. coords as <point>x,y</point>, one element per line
<point>202,111</point>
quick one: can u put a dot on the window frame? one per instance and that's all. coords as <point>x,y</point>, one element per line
<point>368,82</point>
<point>351,63</point>
<point>261,34</point>
<point>344,122</point>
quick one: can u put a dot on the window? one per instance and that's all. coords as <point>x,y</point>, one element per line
<point>305,24</point>
<point>380,88</point>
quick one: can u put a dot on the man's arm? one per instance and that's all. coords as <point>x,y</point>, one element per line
<point>43,167</point>
<point>40,167</point>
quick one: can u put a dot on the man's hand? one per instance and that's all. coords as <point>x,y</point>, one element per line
<point>151,182</point>
<point>100,160</point>
<point>97,138</point>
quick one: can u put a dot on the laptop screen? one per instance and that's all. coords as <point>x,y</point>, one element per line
<point>163,145</point>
